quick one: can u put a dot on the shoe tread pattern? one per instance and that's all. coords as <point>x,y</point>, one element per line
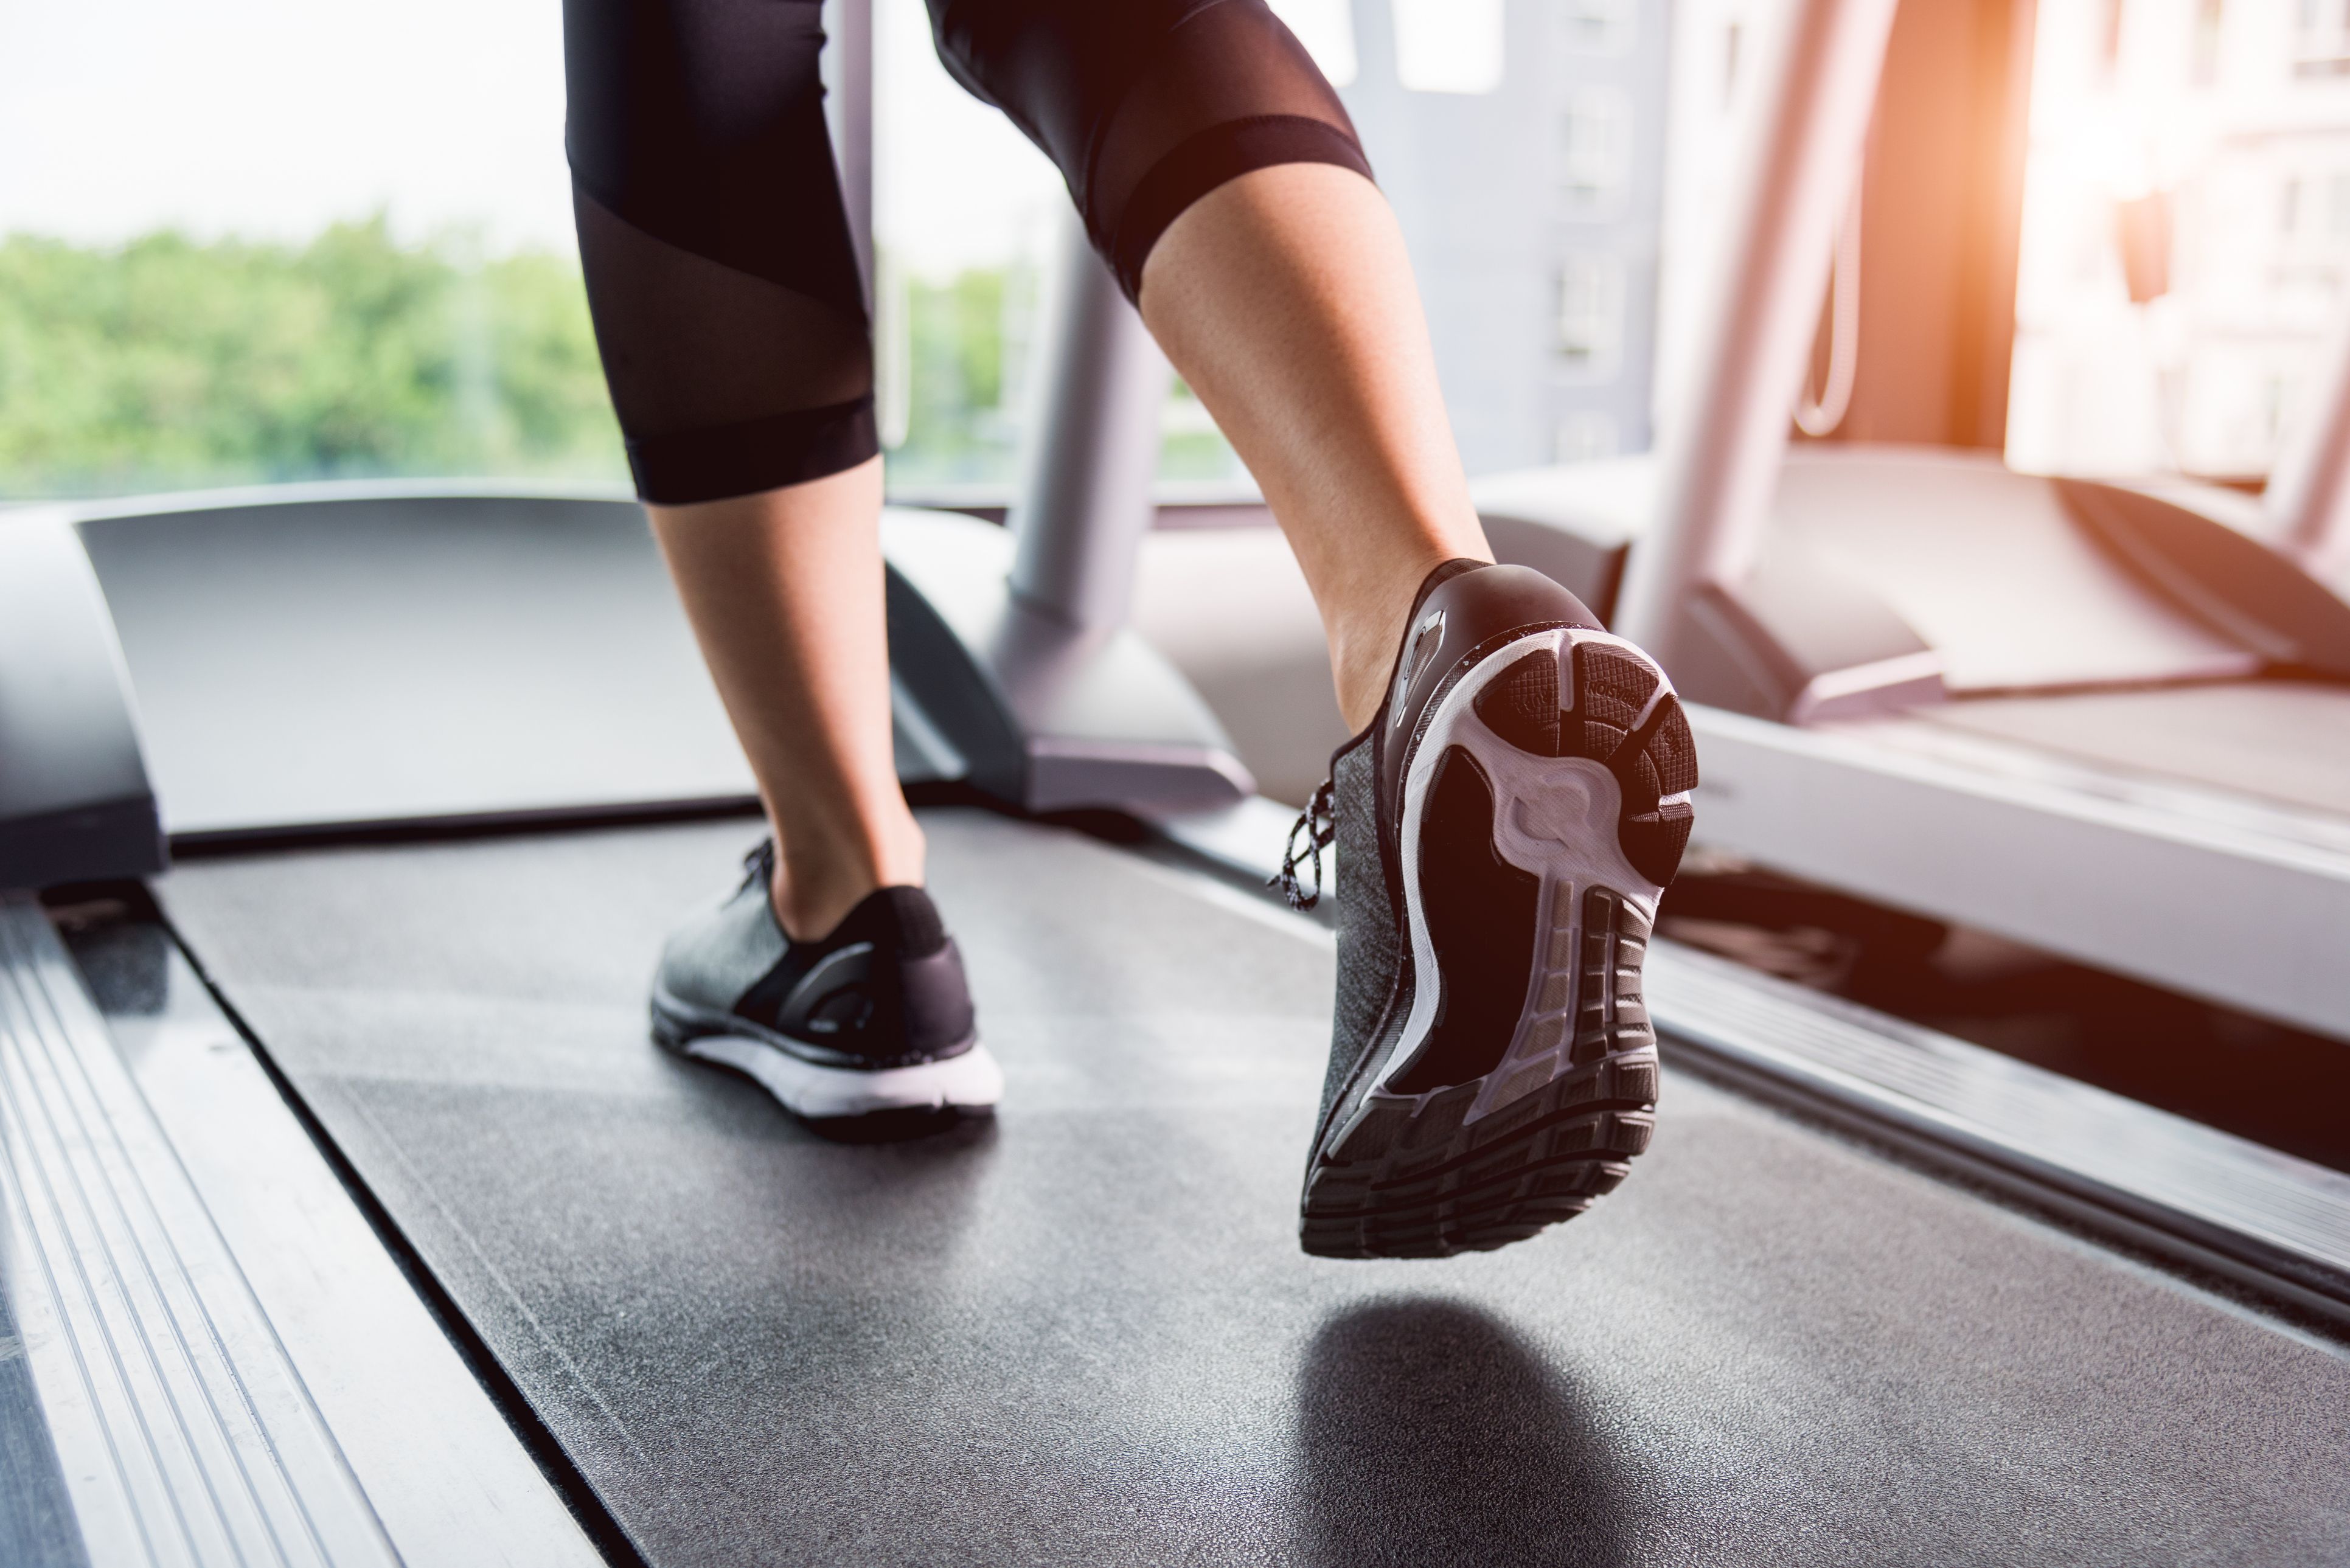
<point>1411,1179</point>
<point>1651,757</point>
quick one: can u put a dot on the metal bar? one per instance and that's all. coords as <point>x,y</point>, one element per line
<point>1084,498</point>
<point>1723,446</point>
<point>2308,497</point>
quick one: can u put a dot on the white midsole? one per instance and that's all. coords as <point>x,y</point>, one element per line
<point>1554,817</point>
<point>971,1081</point>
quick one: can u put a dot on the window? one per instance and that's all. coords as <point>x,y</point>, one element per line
<point>2210,374</point>
<point>1597,26</point>
<point>269,240</point>
<point>1326,28</point>
<point>2321,42</point>
<point>1586,435</point>
<point>2210,22</point>
<point>1450,46</point>
<point>965,215</point>
<point>263,240</point>
<point>1591,314</point>
<point>1596,150</point>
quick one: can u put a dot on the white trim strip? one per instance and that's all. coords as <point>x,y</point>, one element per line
<point>183,1433</point>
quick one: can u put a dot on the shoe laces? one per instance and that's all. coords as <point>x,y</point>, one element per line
<point>759,866</point>
<point>1320,828</point>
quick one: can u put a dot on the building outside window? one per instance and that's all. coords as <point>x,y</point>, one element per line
<point>2235,119</point>
<point>1591,314</point>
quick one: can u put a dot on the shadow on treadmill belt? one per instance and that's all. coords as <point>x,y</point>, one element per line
<point>1429,1431</point>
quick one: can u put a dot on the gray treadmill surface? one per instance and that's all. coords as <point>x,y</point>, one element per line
<point>1086,1335</point>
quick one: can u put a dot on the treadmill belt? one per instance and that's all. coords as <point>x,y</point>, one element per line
<point>1085,1334</point>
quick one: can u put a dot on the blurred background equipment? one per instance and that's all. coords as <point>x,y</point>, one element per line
<point>2142,229</point>
<point>1991,693</point>
<point>348,1216</point>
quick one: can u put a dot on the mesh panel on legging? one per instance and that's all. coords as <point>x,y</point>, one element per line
<point>719,272</point>
<point>1146,105</point>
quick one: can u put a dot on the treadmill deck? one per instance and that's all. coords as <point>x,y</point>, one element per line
<point>2285,743</point>
<point>1085,1334</point>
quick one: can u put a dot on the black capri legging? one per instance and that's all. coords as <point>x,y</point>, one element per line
<point>719,272</point>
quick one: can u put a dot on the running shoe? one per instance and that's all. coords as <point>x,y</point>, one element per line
<point>873,1018</point>
<point>1503,829</point>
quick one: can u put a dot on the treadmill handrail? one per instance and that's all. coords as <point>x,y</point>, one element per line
<point>1091,451</point>
<point>1724,443</point>
<point>2308,497</point>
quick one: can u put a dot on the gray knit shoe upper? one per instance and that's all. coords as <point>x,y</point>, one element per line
<point>884,989</point>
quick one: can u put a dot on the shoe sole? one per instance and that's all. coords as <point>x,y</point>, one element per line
<point>1480,1130</point>
<point>969,1080</point>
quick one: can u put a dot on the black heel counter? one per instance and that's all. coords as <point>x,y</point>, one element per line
<point>933,1002</point>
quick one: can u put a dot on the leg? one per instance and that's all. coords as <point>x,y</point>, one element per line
<point>1219,175</point>
<point>1285,300</point>
<point>732,322</point>
<point>1555,805</point>
<point>784,589</point>
<point>1511,809</point>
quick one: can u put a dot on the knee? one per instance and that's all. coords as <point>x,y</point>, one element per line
<point>1146,105</point>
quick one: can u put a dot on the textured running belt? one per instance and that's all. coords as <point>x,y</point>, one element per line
<point>1087,1334</point>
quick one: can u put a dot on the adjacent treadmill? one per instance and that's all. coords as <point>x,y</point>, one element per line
<point>2109,717</point>
<point>348,1215</point>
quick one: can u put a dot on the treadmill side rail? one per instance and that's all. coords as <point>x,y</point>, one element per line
<point>1802,641</point>
<point>2199,1196</point>
<point>74,805</point>
<point>180,1432</point>
<point>2139,881</point>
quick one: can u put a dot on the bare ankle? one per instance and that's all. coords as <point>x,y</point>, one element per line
<point>815,888</point>
<point>1366,633</point>
<point>1359,668</point>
